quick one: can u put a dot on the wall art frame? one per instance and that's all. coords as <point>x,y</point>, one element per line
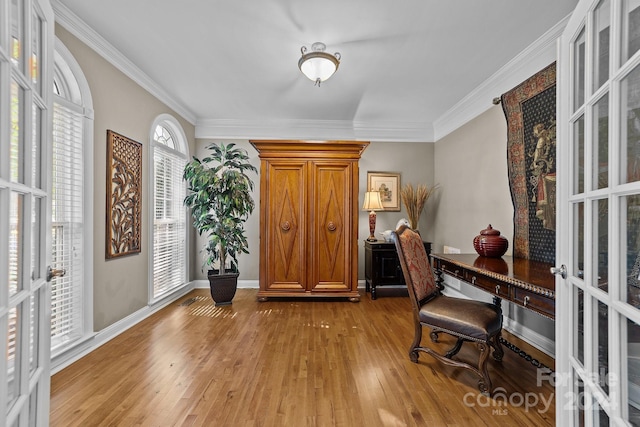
<point>388,184</point>
<point>124,196</point>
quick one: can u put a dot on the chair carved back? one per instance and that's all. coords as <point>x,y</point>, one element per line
<point>415,264</point>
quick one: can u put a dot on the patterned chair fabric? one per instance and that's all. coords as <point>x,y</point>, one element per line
<point>417,261</point>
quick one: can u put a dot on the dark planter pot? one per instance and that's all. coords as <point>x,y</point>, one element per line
<point>223,286</point>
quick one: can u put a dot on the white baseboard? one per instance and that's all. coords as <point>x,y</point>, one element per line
<point>539,341</point>
<point>93,341</point>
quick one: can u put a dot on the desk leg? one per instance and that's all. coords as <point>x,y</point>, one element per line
<point>439,277</point>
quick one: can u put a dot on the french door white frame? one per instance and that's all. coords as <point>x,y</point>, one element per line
<point>26,55</point>
<point>581,396</point>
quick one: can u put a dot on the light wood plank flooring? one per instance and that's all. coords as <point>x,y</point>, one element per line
<point>289,362</point>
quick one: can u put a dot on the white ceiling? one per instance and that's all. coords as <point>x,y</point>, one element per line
<point>234,63</point>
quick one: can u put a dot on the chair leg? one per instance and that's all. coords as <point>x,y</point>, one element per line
<point>498,351</point>
<point>413,352</point>
<point>485,383</point>
<point>455,349</point>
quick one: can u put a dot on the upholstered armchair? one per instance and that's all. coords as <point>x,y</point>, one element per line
<point>466,320</point>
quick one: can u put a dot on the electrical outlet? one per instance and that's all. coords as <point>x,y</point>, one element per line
<point>451,250</point>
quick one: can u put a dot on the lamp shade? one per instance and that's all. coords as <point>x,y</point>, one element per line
<point>317,64</point>
<point>372,201</point>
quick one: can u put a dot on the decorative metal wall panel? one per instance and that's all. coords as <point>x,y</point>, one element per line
<point>124,195</point>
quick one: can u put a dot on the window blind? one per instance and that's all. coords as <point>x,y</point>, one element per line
<point>169,226</point>
<point>67,226</point>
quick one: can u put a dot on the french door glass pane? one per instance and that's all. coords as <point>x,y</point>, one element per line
<point>601,143</point>
<point>36,152</point>
<point>16,148</point>
<point>578,221</point>
<point>633,366</point>
<point>601,234</point>
<point>632,238</point>
<point>578,156</point>
<point>600,417</point>
<point>602,22</point>
<point>631,29</point>
<point>578,79</point>
<point>602,324</point>
<point>16,244</point>
<point>36,52</point>
<point>17,33</point>
<point>630,169</point>
<point>36,243</point>
<point>13,355</point>
<point>33,335</point>
<point>578,313</point>
<point>578,401</point>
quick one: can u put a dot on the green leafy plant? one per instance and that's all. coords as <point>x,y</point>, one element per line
<point>220,201</point>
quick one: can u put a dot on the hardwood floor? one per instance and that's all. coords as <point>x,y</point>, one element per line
<point>289,362</point>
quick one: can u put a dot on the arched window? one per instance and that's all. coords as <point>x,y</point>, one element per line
<point>71,196</point>
<point>169,151</point>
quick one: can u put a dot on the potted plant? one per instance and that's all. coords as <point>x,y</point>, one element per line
<point>220,201</point>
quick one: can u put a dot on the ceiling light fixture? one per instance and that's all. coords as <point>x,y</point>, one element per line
<point>318,65</point>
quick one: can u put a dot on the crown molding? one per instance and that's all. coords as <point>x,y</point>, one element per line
<point>535,57</point>
<point>72,23</point>
<point>314,129</point>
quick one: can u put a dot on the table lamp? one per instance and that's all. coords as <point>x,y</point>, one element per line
<point>372,203</point>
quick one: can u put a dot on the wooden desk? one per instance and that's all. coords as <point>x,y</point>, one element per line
<point>526,283</point>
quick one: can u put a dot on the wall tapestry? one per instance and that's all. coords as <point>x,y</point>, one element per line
<point>530,110</point>
<point>124,195</point>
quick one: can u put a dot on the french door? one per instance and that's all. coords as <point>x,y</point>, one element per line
<point>26,55</point>
<point>598,310</point>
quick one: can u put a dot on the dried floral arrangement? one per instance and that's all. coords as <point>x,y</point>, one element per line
<point>414,199</point>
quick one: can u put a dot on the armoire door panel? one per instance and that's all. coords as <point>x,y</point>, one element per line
<point>330,185</point>
<point>286,227</point>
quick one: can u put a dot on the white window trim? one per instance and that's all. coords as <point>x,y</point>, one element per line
<point>70,68</point>
<point>180,140</point>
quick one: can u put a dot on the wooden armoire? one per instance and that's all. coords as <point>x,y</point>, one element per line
<point>309,218</point>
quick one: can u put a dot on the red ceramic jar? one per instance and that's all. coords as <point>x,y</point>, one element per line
<point>490,243</point>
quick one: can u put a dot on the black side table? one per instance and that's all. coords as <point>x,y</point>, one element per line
<point>382,267</point>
